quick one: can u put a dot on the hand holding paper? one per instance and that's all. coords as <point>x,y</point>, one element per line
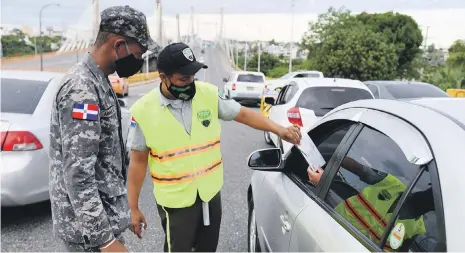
<point>308,149</point>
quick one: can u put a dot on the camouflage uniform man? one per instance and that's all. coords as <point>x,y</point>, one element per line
<point>88,168</point>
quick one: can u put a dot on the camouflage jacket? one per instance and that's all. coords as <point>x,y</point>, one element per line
<point>87,159</point>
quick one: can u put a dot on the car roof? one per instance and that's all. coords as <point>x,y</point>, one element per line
<point>32,75</point>
<point>306,71</point>
<point>331,82</point>
<point>248,72</point>
<point>453,107</point>
<point>391,82</point>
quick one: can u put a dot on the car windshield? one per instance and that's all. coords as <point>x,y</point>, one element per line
<point>21,96</point>
<point>250,78</point>
<point>401,91</point>
<point>323,99</point>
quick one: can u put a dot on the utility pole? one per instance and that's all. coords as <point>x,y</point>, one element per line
<point>259,53</point>
<point>179,28</point>
<point>192,24</point>
<point>237,54</point>
<point>40,34</point>
<point>292,37</point>
<point>221,24</point>
<point>160,23</point>
<point>96,22</point>
<point>426,37</point>
<point>245,57</point>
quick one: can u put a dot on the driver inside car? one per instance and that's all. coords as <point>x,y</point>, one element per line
<point>371,209</point>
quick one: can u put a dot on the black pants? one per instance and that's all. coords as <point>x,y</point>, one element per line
<point>186,230</point>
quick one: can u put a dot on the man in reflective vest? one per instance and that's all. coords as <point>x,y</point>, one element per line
<point>370,210</point>
<point>176,131</point>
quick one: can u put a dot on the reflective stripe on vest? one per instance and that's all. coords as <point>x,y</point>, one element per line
<point>369,214</point>
<point>182,166</point>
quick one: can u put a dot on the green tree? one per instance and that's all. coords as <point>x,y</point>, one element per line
<point>402,31</point>
<point>456,57</point>
<point>357,53</point>
<point>15,44</point>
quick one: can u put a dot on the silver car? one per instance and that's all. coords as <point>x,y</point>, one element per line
<point>393,180</point>
<point>26,103</point>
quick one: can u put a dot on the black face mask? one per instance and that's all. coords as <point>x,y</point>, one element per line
<point>129,65</point>
<point>185,93</point>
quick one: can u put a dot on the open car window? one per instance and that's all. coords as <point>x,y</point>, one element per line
<point>327,138</point>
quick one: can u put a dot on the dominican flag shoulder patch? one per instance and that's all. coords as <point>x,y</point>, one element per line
<point>133,122</point>
<point>85,111</point>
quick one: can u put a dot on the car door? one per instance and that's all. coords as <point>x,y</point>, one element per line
<point>383,146</point>
<point>284,194</point>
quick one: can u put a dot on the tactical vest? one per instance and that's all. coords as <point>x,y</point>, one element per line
<point>368,212</point>
<point>181,164</point>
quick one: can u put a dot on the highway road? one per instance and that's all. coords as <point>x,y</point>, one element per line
<point>58,62</point>
<point>30,228</point>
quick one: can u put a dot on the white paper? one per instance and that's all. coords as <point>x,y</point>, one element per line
<point>206,214</point>
<point>310,152</point>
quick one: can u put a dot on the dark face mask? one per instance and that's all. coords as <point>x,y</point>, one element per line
<point>129,65</point>
<point>185,93</point>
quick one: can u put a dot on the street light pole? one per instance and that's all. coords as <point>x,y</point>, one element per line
<point>259,53</point>
<point>292,38</point>
<point>40,33</point>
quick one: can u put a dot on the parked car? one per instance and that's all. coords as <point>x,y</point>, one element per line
<point>26,104</point>
<point>245,86</point>
<point>410,169</point>
<point>120,85</point>
<point>303,74</point>
<point>303,101</point>
<point>272,87</point>
<point>404,90</point>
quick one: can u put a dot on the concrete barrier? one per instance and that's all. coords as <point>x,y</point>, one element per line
<point>141,77</point>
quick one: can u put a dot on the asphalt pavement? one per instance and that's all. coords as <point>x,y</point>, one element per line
<point>30,228</point>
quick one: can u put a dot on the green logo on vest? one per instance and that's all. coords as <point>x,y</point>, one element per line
<point>204,116</point>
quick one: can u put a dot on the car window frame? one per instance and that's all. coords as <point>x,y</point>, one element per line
<point>314,191</point>
<point>330,173</point>
<point>281,94</point>
<point>292,89</point>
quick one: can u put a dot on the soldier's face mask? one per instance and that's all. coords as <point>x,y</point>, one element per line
<point>128,65</point>
<point>183,92</point>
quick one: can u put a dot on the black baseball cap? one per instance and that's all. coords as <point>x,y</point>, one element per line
<point>179,58</point>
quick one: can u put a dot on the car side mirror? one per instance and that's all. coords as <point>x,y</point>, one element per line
<point>269,100</point>
<point>122,103</point>
<point>265,159</point>
<point>225,79</point>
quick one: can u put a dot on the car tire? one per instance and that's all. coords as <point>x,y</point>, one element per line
<point>268,140</point>
<point>253,241</point>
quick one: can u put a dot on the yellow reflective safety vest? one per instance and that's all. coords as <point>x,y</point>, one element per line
<point>369,213</point>
<point>181,164</point>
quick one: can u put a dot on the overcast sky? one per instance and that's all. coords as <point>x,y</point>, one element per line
<point>446,18</point>
<point>27,11</point>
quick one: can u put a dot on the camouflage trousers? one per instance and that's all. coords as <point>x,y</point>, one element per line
<point>80,247</point>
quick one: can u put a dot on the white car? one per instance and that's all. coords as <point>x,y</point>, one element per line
<point>245,86</point>
<point>280,82</point>
<point>303,74</point>
<point>26,104</point>
<point>393,181</point>
<point>305,100</point>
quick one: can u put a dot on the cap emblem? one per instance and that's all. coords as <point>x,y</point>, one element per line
<point>188,54</point>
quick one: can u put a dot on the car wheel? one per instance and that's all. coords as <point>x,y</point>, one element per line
<point>267,137</point>
<point>253,242</point>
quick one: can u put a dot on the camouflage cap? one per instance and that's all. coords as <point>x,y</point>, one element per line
<point>129,22</point>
